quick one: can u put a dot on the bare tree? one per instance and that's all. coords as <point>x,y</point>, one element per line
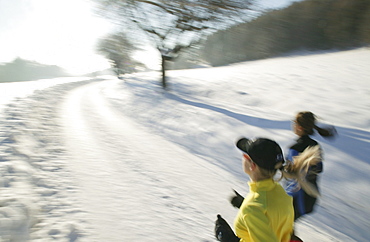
<point>118,49</point>
<point>174,25</point>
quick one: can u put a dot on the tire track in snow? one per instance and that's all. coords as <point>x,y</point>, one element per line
<point>131,179</point>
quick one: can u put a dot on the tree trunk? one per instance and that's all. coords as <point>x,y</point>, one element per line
<point>164,84</point>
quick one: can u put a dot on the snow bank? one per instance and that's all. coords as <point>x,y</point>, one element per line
<point>35,192</point>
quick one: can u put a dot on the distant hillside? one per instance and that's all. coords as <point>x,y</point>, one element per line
<point>24,70</point>
<point>307,25</point>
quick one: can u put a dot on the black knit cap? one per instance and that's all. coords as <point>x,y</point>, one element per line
<point>264,152</point>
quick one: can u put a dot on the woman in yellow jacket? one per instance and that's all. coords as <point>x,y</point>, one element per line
<point>266,214</point>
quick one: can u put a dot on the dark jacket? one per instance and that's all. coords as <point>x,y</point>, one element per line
<point>303,203</point>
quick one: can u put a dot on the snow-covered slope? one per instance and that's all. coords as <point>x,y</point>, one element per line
<point>122,160</point>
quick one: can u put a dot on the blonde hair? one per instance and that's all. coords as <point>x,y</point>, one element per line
<point>266,174</point>
<point>299,168</point>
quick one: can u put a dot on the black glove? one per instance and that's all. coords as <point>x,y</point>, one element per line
<point>223,231</point>
<point>237,200</point>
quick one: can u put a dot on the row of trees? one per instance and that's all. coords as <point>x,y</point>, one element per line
<point>25,70</point>
<point>180,26</point>
<point>309,25</point>
<point>171,26</point>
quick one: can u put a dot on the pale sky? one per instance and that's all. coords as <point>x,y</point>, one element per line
<point>57,32</point>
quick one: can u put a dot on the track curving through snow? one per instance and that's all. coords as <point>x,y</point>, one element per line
<point>131,183</point>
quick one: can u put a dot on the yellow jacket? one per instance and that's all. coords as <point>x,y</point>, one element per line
<point>266,214</point>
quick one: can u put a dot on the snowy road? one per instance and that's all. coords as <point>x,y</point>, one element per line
<point>125,181</point>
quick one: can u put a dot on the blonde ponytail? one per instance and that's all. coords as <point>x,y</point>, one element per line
<point>298,169</point>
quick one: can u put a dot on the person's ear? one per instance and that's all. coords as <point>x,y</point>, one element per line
<point>253,166</point>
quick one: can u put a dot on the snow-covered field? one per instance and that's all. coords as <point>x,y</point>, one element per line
<point>122,160</point>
